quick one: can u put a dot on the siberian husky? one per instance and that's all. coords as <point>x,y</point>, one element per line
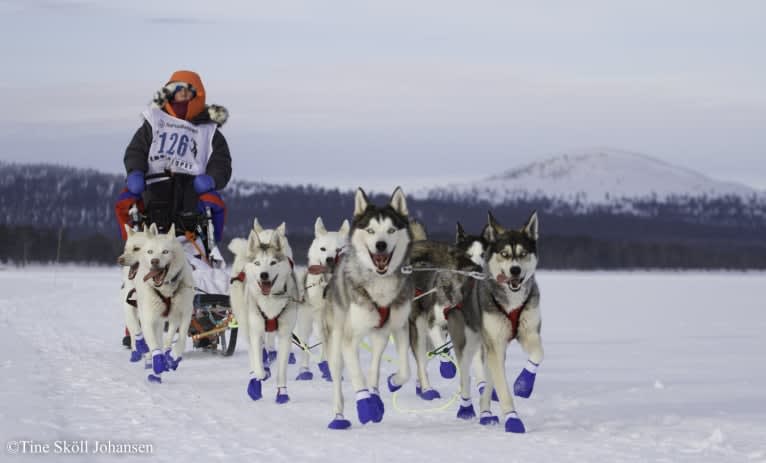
<point>324,253</point>
<point>129,260</point>
<point>271,296</point>
<point>164,293</point>
<point>506,306</point>
<point>370,295</point>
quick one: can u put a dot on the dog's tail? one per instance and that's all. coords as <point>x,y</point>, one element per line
<point>238,246</point>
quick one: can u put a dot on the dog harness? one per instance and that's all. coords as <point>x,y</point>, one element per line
<point>167,300</point>
<point>384,313</point>
<point>512,316</point>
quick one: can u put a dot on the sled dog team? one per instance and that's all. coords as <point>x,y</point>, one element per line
<point>374,279</point>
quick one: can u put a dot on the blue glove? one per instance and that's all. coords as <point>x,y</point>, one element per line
<point>135,182</point>
<point>203,183</point>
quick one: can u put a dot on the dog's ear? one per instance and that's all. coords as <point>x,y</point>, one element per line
<point>282,229</point>
<point>152,231</point>
<point>492,221</point>
<point>418,230</point>
<point>253,243</point>
<point>492,229</point>
<point>319,229</point>
<point>531,228</point>
<point>257,225</point>
<point>344,229</point>
<point>172,232</point>
<point>128,230</point>
<point>460,233</point>
<point>277,240</point>
<point>360,202</point>
<point>399,202</point>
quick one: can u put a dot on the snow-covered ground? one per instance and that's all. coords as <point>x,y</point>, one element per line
<point>639,367</point>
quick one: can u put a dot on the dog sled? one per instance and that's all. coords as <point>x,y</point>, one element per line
<point>213,326</point>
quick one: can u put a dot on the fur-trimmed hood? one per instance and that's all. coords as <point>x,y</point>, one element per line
<point>198,112</point>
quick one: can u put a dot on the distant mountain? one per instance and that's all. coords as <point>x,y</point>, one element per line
<point>597,179</point>
<point>680,219</point>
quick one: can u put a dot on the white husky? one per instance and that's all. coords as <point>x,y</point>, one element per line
<point>324,253</point>
<point>129,260</point>
<point>165,293</point>
<point>270,301</point>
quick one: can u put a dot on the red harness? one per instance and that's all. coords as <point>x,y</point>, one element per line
<point>240,277</point>
<point>385,314</point>
<point>512,316</point>
<point>272,324</point>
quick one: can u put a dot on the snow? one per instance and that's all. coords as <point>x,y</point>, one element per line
<point>639,367</point>
<point>596,177</point>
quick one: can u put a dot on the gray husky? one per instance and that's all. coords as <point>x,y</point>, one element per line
<point>504,307</point>
<point>369,295</point>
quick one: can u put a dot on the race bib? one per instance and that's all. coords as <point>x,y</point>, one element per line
<point>178,145</point>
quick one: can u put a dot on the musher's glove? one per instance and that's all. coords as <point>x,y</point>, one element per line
<point>135,182</point>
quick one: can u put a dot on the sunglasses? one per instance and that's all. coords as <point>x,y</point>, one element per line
<point>175,87</point>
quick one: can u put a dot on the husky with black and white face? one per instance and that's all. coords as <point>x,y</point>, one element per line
<point>509,305</point>
<point>370,295</point>
<point>324,254</point>
<point>164,293</point>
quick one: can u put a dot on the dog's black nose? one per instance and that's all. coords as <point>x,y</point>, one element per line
<point>265,276</point>
<point>515,270</point>
<point>381,246</point>
<point>330,260</point>
<point>155,262</point>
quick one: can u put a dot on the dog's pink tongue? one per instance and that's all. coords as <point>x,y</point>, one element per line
<point>265,288</point>
<point>501,278</point>
<point>153,273</point>
<point>380,260</point>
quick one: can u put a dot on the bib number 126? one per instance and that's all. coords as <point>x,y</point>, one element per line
<point>178,144</point>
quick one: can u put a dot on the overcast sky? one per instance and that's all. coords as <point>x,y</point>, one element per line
<point>395,92</point>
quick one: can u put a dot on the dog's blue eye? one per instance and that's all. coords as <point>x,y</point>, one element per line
<point>273,262</point>
<point>150,252</point>
<point>370,231</point>
<point>391,231</point>
<point>165,251</point>
<point>257,262</point>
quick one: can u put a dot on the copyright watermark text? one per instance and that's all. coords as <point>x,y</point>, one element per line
<point>77,447</point>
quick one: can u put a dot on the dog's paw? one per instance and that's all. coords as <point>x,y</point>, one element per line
<point>488,419</point>
<point>339,423</point>
<point>392,386</point>
<point>377,405</point>
<point>305,375</point>
<point>254,389</point>
<point>466,412</point>
<point>291,359</point>
<point>447,369</point>
<point>135,356</point>
<point>158,362</point>
<point>365,408</point>
<point>428,394</point>
<point>524,383</point>
<point>141,346</point>
<point>154,379</point>
<point>282,397</point>
<point>513,424</point>
<point>324,367</point>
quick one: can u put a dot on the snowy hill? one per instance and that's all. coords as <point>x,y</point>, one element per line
<point>597,178</point>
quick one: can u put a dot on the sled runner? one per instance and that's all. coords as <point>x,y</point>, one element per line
<point>213,326</point>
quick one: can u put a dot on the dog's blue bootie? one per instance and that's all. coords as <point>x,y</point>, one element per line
<point>428,394</point>
<point>393,387</point>
<point>466,411</point>
<point>254,389</point>
<point>135,356</point>
<point>141,346</point>
<point>365,408</point>
<point>154,379</point>
<point>324,367</point>
<point>282,397</point>
<point>158,362</point>
<point>171,364</point>
<point>377,405</point>
<point>514,424</point>
<point>488,419</point>
<point>524,383</point>
<point>265,356</point>
<point>291,359</point>
<point>305,375</point>
<point>339,423</point>
<point>447,369</point>
<point>272,356</point>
